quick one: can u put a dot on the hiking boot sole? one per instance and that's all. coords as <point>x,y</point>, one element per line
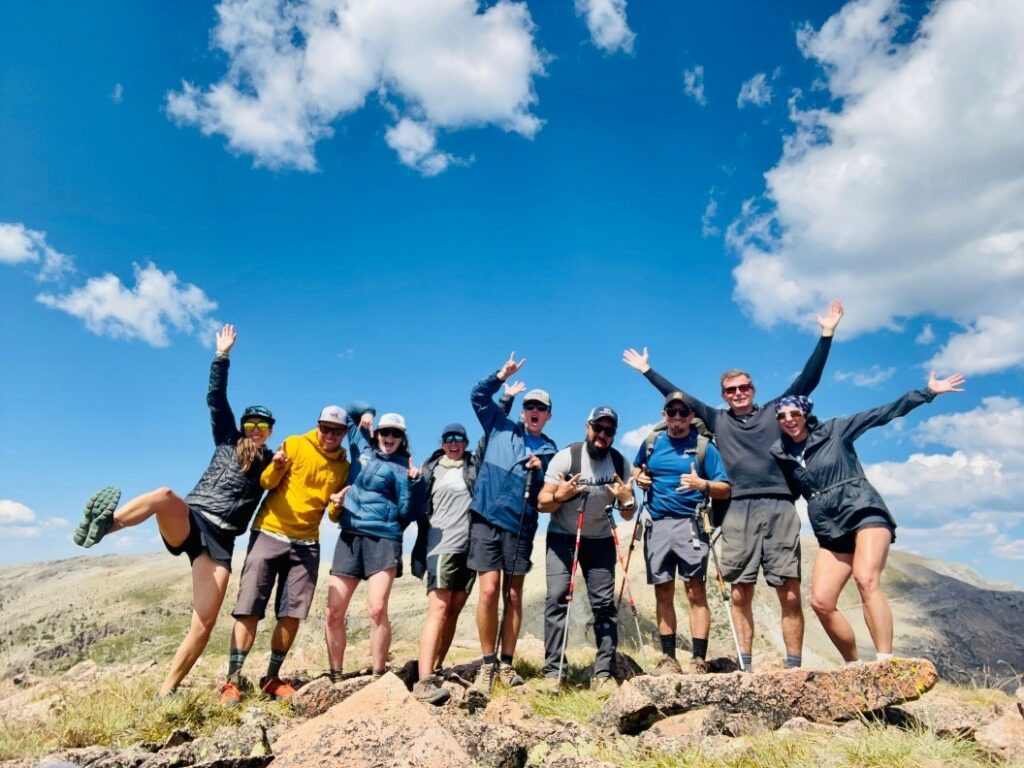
<point>97,516</point>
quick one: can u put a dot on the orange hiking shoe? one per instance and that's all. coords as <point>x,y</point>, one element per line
<point>230,695</point>
<point>276,688</point>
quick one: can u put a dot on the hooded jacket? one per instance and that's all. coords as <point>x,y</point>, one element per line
<point>502,478</point>
<point>299,493</point>
<point>831,477</point>
<point>377,503</point>
<point>225,495</point>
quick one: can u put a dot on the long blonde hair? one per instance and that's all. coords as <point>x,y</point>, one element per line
<point>246,453</point>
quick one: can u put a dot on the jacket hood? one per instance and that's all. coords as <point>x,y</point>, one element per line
<point>311,437</point>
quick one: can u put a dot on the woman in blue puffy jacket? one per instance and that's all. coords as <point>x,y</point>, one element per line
<point>372,513</point>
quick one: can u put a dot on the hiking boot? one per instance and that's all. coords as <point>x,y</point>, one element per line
<point>667,665</point>
<point>97,516</point>
<point>429,691</point>
<point>603,684</point>
<point>699,666</point>
<point>230,695</point>
<point>276,688</point>
<point>486,676</point>
<point>508,675</point>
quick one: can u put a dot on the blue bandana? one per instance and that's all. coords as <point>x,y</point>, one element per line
<point>799,402</point>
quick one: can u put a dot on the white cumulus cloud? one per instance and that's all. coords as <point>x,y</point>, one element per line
<point>158,304</point>
<point>634,438</point>
<point>905,194</point>
<point>870,377</point>
<point>693,84</point>
<point>606,20</point>
<point>926,336</point>
<point>755,91</point>
<point>18,521</point>
<point>294,68</point>
<point>12,512</point>
<point>21,245</point>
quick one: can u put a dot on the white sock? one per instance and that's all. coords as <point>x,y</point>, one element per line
<point>883,656</point>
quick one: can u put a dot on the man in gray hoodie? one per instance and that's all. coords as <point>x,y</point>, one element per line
<point>761,529</point>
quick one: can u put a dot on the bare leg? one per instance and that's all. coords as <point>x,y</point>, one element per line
<point>170,510</point>
<point>438,602</point>
<point>377,609</point>
<point>510,635</point>
<point>869,556</point>
<point>209,583</point>
<point>487,609</point>
<point>451,620</point>
<point>243,634</point>
<point>339,594</point>
<point>665,607</point>
<point>700,613</point>
<point>831,572</point>
<point>743,615</point>
<point>792,616</point>
<point>284,634</point>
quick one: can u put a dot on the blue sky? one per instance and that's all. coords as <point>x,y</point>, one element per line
<point>386,200</point>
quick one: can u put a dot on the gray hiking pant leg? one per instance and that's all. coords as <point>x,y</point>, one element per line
<point>600,576</point>
<point>558,562</point>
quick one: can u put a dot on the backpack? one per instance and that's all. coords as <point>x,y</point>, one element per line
<point>705,437</point>
<point>576,461</point>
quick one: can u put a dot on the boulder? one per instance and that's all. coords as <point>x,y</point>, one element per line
<point>1020,700</point>
<point>945,715</point>
<point>321,694</point>
<point>380,726</point>
<point>1004,737</point>
<point>488,744</point>
<point>690,725</point>
<point>818,695</point>
<point>513,712</point>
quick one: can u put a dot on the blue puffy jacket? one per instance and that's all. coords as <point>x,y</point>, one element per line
<point>377,502</point>
<point>501,481</point>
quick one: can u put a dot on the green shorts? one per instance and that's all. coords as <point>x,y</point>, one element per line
<point>449,571</point>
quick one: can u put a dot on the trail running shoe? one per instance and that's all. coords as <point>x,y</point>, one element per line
<point>276,688</point>
<point>429,691</point>
<point>486,676</point>
<point>100,507</point>
<point>230,695</point>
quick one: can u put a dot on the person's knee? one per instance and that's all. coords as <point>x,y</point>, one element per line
<point>822,605</point>
<point>165,494</point>
<point>742,595</point>
<point>868,582</point>
<point>489,591</point>
<point>377,611</point>
<point>696,594</point>
<point>335,615</point>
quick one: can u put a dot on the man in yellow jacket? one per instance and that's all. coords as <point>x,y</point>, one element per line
<point>284,547</point>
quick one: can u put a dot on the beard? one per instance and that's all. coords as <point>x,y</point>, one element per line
<point>595,453</point>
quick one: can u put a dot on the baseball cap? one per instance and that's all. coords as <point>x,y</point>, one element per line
<point>392,420</point>
<point>603,412</point>
<point>333,414</point>
<point>677,396</point>
<point>454,429</point>
<point>257,411</point>
<point>537,396</point>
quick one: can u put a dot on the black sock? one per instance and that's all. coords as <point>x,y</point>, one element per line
<point>490,658</point>
<point>276,660</point>
<point>506,659</point>
<point>700,648</point>
<point>235,661</point>
<point>336,675</point>
<point>668,645</point>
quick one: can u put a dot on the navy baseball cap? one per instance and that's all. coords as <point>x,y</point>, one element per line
<point>603,412</point>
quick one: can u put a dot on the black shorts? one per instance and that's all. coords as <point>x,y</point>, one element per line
<point>494,549</point>
<point>846,544</point>
<point>358,556</point>
<point>204,536</point>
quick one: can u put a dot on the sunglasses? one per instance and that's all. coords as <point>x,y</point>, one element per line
<point>783,415</point>
<point>601,429</point>
<point>453,439</point>
<point>389,432</point>
<point>677,412</point>
<point>739,389</point>
<point>331,430</point>
<point>536,407</point>
<point>252,426</point>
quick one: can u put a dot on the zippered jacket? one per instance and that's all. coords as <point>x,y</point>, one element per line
<point>225,495</point>
<point>831,477</point>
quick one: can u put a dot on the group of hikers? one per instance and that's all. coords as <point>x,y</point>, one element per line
<point>477,513</point>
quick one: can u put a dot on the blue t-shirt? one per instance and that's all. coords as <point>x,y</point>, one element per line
<point>670,459</point>
<point>533,444</point>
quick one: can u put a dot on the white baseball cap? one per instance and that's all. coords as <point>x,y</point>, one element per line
<point>334,414</point>
<point>393,420</point>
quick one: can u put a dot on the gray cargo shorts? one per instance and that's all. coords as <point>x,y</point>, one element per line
<point>675,546</point>
<point>761,532</point>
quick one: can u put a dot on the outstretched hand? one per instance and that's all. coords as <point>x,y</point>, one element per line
<point>281,460</point>
<point>622,491</point>
<point>510,367</point>
<point>940,386</point>
<point>830,319</point>
<point>638,361</point>
<point>225,339</point>
<point>693,481</point>
<point>514,389</point>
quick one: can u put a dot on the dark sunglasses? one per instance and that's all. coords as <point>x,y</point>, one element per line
<point>739,389</point>
<point>783,415</point>
<point>330,430</point>
<point>252,426</point>
<point>453,439</point>
<point>670,412</point>
<point>601,429</point>
<point>536,407</point>
<point>389,432</point>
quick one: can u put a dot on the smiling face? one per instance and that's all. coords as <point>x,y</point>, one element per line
<point>258,430</point>
<point>738,391</point>
<point>454,446</point>
<point>793,423</point>
<point>535,416</point>
<point>389,439</point>
<point>328,434</point>
<point>678,418</point>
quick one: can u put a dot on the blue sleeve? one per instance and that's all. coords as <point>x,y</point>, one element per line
<point>403,493</point>
<point>713,468</point>
<point>641,455</point>
<point>488,412</point>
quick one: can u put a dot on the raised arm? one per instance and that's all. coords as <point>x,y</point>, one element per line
<point>809,377</point>
<point>222,419</point>
<point>640,362</point>
<point>489,413</point>
<point>854,426</point>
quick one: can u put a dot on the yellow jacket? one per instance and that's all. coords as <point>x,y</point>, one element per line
<point>300,492</point>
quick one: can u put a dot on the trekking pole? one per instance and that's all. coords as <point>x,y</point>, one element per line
<point>629,553</point>
<point>625,586</point>
<point>726,597</point>
<point>572,581</point>
<point>507,575</point>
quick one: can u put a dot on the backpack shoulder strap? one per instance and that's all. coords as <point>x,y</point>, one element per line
<point>575,459</point>
<point>619,463</point>
<point>651,437</point>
